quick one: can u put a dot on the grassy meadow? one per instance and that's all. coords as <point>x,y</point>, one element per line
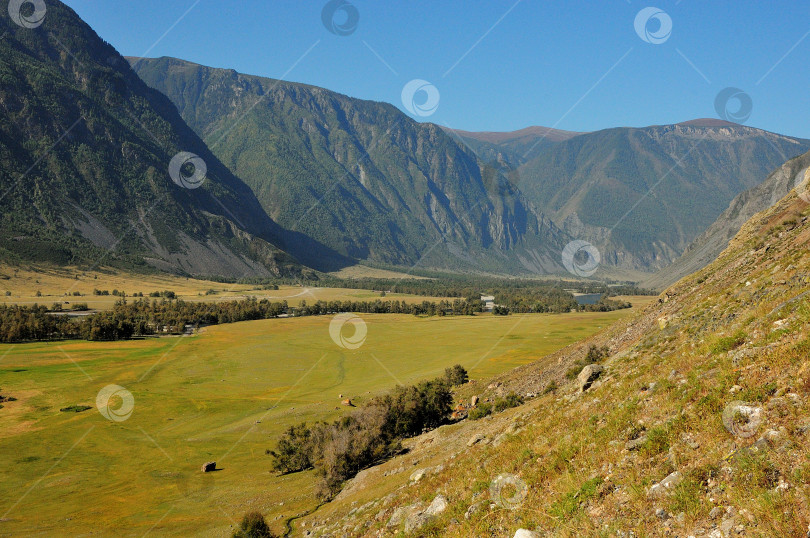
<point>58,284</point>
<point>223,395</point>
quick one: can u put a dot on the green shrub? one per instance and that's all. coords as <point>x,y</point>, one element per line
<point>481,411</point>
<point>511,400</point>
<point>594,355</point>
<point>253,525</point>
<point>727,343</point>
<point>75,408</point>
<point>456,375</point>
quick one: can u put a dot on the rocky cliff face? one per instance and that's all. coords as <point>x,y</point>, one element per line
<point>358,176</point>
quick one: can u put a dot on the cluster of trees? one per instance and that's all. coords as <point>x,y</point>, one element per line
<point>369,435</point>
<point>605,305</point>
<point>144,317</point>
<point>23,323</point>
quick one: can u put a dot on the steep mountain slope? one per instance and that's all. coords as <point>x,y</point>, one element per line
<point>698,424</point>
<point>745,205</point>
<point>512,148</point>
<point>358,176</point>
<point>85,151</point>
<point>642,195</point>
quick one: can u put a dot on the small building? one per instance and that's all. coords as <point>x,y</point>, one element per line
<point>489,302</point>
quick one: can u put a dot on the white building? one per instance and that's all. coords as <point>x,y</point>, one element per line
<point>489,302</point>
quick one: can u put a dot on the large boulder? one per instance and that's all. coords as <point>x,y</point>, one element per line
<point>588,375</point>
<point>210,466</point>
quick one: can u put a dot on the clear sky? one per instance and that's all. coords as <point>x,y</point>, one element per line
<point>500,65</point>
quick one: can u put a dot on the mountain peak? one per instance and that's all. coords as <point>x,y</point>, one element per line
<point>708,122</point>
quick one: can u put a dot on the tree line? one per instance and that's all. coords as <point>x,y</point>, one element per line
<point>145,317</point>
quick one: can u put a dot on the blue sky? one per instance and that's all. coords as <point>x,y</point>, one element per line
<point>500,65</point>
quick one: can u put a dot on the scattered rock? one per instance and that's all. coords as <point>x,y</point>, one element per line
<point>417,520</point>
<point>473,509</point>
<point>635,444</point>
<point>475,439</point>
<point>665,486</point>
<point>210,466</point>
<point>401,513</point>
<point>715,512</point>
<point>417,475</point>
<point>347,402</point>
<point>662,514</point>
<point>588,375</point>
<point>523,533</point>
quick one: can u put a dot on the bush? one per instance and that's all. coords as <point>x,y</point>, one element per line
<point>253,525</point>
<point>456,375</point>
<point>727,343</point>
<point>594,355</point>
<point>511,400</point>
<point>481,411</point>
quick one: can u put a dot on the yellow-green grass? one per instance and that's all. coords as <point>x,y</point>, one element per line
<point>223,395</point>
<point>56,285</point>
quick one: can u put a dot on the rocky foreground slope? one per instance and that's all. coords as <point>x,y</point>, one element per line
<point>696,424</point>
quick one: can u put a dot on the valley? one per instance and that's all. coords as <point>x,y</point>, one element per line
<point>378,270</point>
<point>223,396</point>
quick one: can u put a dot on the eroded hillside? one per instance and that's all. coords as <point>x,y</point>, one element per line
<point>697,426</point>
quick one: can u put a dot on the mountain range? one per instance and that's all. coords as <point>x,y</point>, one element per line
<point>85,152</point>
<point>299,176</point>
<point>358,176</point>
<point>640,195</point>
